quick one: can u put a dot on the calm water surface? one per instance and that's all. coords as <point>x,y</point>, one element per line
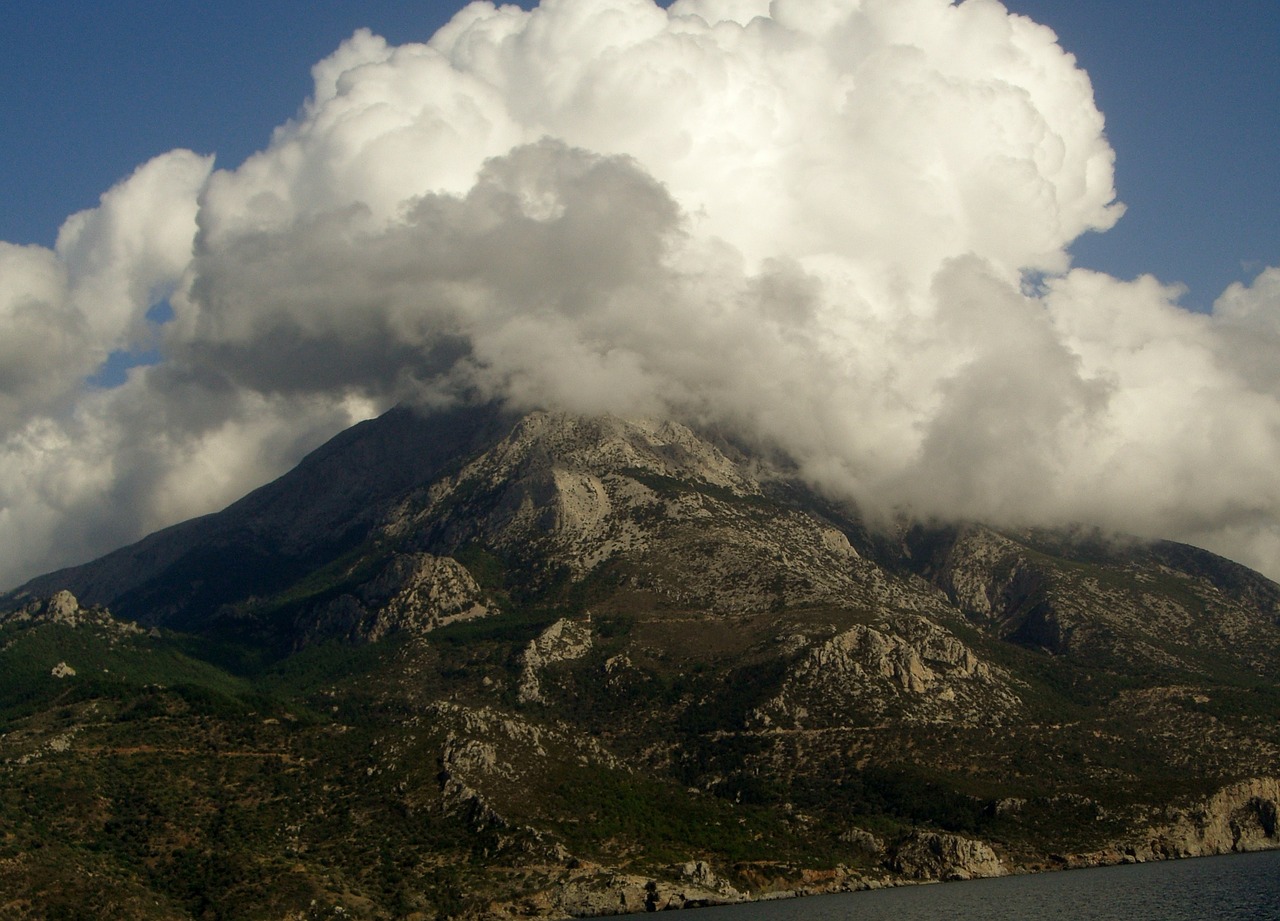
<point>1239,887</point>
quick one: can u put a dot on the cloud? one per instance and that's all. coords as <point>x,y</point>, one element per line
<point>40,350</point>
<point>63,311</point>
<point>809,221</point>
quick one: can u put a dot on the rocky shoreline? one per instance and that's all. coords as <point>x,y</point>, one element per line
<point>1240,818</point>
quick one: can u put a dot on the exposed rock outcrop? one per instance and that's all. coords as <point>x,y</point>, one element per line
<point>1239,817</point>
<point>563,641</point>
<point>864,841</point>
<point>694,885</point>
<point>931,855</point>
<point>913,665</point>
<point>909,663</point>
<point>414,592</point>
<point>572,487</point>
<point>62,608</point>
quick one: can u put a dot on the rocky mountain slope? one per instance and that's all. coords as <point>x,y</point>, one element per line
<point>473,665</point>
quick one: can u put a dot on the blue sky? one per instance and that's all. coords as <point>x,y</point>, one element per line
<point>1191,91</point>
<point>1190,88</point>
<point>90,90</point>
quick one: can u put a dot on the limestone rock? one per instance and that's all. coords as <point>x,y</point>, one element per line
<point>863,840</point>
<point>421,592</point>
<point>937,856</point>
<point>416,592</point>
<point>970,577</point>
<point>576,489</point>
<point>63,670</point>
<point>909,660</point>
<point>700,873</point>
<point>1239,817</point>
<point>561,642</point>
<point>63,608</point>
<point>580,493</point>
<point>910,663</point>
<point>460,761</point>
<point>59,608</point>
<point>612,894</point>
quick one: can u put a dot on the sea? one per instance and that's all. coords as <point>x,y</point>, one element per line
<point>1236,887</point>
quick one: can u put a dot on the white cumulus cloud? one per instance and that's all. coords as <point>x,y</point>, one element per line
<point>810,221</point>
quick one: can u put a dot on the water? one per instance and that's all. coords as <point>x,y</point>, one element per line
<point>1239,887</point>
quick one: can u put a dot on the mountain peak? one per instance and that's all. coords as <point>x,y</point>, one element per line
<point>613,658</point>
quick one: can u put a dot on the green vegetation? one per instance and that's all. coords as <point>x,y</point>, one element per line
<point>261,767</point>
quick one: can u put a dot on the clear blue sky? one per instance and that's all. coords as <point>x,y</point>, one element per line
<point>1191,92</point>
<point>1190,88</point>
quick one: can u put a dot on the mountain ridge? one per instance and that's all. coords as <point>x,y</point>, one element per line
<point>404,452</point>
<point>546,665</point>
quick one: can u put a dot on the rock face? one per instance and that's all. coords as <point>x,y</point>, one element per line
<point>579,494</point>
<point>563,641</point>
<point>570,485</point>
<point>59,608</point>
<point>908,665</point>
<point>935,856</point>
<point>414,592</point>
<point>697,886</point>
<point>1240,817</point>
<point>1012,586</point>
<point>617,894</point>
<point>63,609</point>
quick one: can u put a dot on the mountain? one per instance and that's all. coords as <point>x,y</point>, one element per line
<point>328,505</point>
<point>477,665</point>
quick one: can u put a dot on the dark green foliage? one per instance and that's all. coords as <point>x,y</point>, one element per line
<point>903,793</point>
<point>511,629</point>
<point>485,567</point>
<point>610,809</point>
<point>723,699</point>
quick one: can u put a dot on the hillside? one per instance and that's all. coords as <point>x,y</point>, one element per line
<point>474,665</point>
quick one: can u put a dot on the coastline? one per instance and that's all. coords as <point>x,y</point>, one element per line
<point>1240,818</point>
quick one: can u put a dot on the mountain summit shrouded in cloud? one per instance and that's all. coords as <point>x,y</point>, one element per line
<point>838,228</point>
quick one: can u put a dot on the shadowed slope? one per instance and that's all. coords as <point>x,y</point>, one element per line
<point>263,542</point>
